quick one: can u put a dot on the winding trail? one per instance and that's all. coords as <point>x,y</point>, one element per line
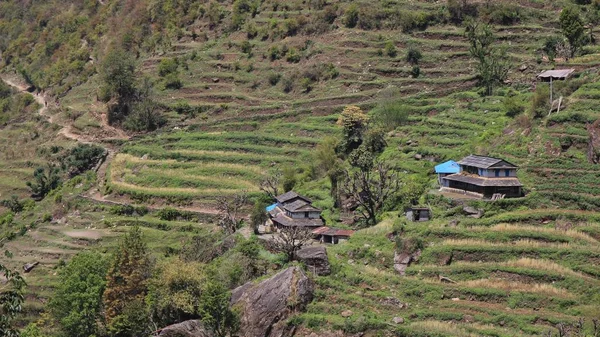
<point>67,132</point>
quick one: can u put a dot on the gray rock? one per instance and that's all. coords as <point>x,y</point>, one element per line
<point>193,328</point>
<point>398,320</point>
<point>468,318</point>
<point>315,258</point>
<point>264,307</point>
<point>347,313</point>
<point>29,266</point>
<point>403,260</point>
<point>418,156</point>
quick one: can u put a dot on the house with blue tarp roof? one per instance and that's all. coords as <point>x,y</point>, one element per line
<point>446,169</point>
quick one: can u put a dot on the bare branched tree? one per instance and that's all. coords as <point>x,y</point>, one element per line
<point>290,239</point>
<point>371,188</point>
<point>229,209</point>
<point>270,184</point>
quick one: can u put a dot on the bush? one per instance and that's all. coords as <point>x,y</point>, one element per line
<point>293,56</point>
<point>415,71</point>
<point>167,66</point>
<point>390,49</point>
<point>81,158</point>
<point>413,56</point>
<point>540,104</point>
<point>459,10</point>
<point>351,16</point>
<point>172,81</point>
<point>511,107</point>
<point>274,78</point>
<point>306,84</point>
<point>246,47</point>
<point>274,53</point>
<point>504,14</point>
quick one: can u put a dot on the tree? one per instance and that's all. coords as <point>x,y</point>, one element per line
<point>215,311</point>
<point>77,301</point>
<point>354,123</point>
<point>45,180</point>
<point>14,204</point>
<point>492,67</point>
<point>351,16</point>
<point>258,216</point>
<point>572,28</point>
<point>127,279</point>
<point>117,72</point>
<point>370,189</point>
<point>229,209</point>
<point>144,116</point>
<point>329,163</point>
<point>290,239</point>
<point>11,300</point>
<point>174,294</point>
<point>289,178</point>
<point>270,184</point>
<point>413,56</point>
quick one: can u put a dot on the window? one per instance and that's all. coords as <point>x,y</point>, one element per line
<point>306,214</point>
<point>507,173</point>
<point>497,172</point>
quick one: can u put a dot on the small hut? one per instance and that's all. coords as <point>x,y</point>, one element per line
<point>446,169</point>
<point>555,75</point>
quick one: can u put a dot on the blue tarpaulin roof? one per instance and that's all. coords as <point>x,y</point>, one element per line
<point>270,208</point>
<point>448,167</point>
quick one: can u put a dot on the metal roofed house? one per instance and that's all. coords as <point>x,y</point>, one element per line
<point>485,177</point>
<point>294,210</point>
<point>445,169</point>
<point>332,235</point>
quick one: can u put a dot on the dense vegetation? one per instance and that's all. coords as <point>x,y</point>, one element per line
<point>350,103</point>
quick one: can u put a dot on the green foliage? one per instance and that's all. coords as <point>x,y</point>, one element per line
<point>460,10</point>
<point>214,309</point>
<point>32,330</point>
<point>351,16</point>
<point>274,78</point>
<point>492,67</point>
<point>289,178</point>
<point>11,301</point>
<point>77,300</point>
<point>167,66</point>
<point>293,56</point>
<point>14,204</point>
<point>540,103</point>
<point>145,116</point>
<point>175,291</point>
<point>511,106</point>
<point>81,158</point>
<point>415,71</point>
<point>258,217</point>
<point>45,180</point>
<point>413,56</point>
<point>390,49</point>
<point>117,73</point>
<point>354,123</point>
<point>572,27</point>
<point>126,282</point>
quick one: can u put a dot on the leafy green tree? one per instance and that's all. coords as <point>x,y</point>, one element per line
<point>351,16</point>
<point>82,158</point>
<point>127,279</point>
<point>167,66</point>
<point>11,301</point>
<point>330,164</point>
<point>117,72</point>
<point>45,180</point>
<point>390,49</point>
<point>572,28</point>
<point>14,204</point>
<point>413,56</point>
<point>215,311</point>
<point>77,301</point>
<point>354,123</point>
<point>144,116</point>
<point>492,67</point>
<point>289,178</point>
<point>259,215</point>
<point>174,293</point>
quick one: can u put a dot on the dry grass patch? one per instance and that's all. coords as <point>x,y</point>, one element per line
<point>448,328</point>
<point>575,234</point>
<point>527,243</point>
<point>539,288</point>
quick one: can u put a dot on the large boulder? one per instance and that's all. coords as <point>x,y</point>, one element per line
<point>315,258</point>
<point>403,259</point>
<point>193,328</point>
<point>265,306</point>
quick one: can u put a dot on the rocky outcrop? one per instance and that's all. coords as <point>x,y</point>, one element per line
<point>403,260</point>
<point>265,306</point>
<point>473,212</point>
<point>315,258</point>
<point>594,142</point>
<point>193,328</point>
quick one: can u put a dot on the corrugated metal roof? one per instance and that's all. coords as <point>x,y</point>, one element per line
<point>485,162</point>
<point>270,207</point>
<point>333,231</point>
<point>484,182</point>
<point>289,196</point>
<point>300,205</point>
<point>286,221</point>
<point>448,167</point>
<point>556,74</point>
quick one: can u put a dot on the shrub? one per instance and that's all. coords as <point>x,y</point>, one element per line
<point>274,53</point>
<point>415,71</point>
<point>511,107</point>
<point>540,104</point>
<point>82,158</point>
<point>246,47</point>
<point>274,78</point>
<point>504,14</point>
<point>351,16</point>
<point>306,84</point>
<point>167,66</point>
<point>293,56</point>
<point>413,56</point>
<point>287,84</point>
<point>172,81</point>
<point>390,49</point>
<point>459,10</point>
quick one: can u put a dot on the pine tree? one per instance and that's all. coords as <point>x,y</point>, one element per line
<point>127,279</point>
